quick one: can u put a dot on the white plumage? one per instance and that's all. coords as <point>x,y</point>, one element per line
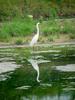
<point>36,36</point>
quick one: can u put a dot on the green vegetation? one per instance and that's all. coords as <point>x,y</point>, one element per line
<point>10,9</point>
<point>18,19</point>
<point>16,28</point>
<point>23,28</point>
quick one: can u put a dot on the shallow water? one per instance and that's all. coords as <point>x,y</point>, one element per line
<point>18,73</point>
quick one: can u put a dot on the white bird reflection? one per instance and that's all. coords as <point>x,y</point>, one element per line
<point>36,67</point>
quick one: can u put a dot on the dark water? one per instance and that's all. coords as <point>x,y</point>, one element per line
<point>57,73</point>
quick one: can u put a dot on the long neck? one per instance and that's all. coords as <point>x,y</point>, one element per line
<point>37,26</point>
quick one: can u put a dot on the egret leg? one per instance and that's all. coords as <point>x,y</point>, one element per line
<point>33,52</point>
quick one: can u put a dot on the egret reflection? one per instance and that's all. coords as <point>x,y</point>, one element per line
<point>34,64</point>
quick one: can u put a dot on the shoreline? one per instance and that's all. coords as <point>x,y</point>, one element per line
<point>7,45</point>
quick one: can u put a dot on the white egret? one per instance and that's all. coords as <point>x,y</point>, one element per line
<point>36,36</point>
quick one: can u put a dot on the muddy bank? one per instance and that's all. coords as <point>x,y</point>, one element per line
<point>7,45</point>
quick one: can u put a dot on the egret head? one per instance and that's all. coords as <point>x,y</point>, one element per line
<point>38,23</point>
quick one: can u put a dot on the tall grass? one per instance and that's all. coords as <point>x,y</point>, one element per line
<point>58,26</point>
<point>25,27</point>
<point>52,29</point>
<point>16,28</point>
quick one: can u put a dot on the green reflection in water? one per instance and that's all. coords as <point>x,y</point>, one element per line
<point>21,83</point>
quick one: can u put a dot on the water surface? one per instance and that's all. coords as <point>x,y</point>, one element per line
<point>56,66</point>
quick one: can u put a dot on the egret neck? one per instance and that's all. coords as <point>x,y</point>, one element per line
<point>37,27</point>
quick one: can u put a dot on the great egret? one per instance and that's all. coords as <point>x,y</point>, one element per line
<point>36,36</point>
<point>36,67</point>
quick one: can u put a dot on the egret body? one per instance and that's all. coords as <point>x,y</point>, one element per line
<point>36,36</point>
